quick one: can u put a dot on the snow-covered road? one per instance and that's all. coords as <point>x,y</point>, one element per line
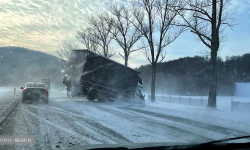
<point>67,122</point>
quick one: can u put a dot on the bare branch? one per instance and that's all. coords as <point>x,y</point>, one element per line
<point>139,48</point>
<point>201,18</point>
<point>162,58</point>
<point>98,36</point>
<point>220,15</point>
<point>121,55</point>
<point>125,34</point>
<point>153,16</point>
<point>63,54</point>
<point>87,37</point>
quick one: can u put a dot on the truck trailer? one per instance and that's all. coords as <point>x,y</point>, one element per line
<point>97,77</point>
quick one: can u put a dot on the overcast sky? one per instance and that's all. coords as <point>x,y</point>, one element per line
<point>43,24</point>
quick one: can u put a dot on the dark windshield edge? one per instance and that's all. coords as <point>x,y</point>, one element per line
<point>229,139</point>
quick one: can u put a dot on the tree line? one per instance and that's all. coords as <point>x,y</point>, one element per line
<point>151,25</point>
<point>189,75</point>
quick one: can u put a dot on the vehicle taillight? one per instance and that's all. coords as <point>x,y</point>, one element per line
<point>24,90</point>
<point>46,91</point>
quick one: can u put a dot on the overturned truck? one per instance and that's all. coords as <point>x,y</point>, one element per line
<point>97,77</point>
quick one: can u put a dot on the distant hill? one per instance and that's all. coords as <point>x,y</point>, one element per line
<point>184,76</point>
<point>19,65</point>
<point>190,75</point>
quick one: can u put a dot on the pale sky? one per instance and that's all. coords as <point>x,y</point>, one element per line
<point>43,24</point>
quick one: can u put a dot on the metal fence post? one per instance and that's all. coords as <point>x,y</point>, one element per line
<point>201,101</point>
<point>131,99</point>
<point>14,90</point>
<point>231,104</point>
<point>189,101</point>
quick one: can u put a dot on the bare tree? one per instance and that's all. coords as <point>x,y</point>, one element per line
<point>207,20</point>
<point>125,34</point>
<point>101,30</point>
<point>87,38</point>
<point>155,20</point>
<point>63,54</point>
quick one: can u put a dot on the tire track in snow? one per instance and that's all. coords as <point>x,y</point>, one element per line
<point>55,110</point>
<point>179,133</point>
<point>69,129</point>
<point>58,127</point>
<point>33,127</point>
<point>21,123</point>
<point>91,124</point>
<point>89,108</point>
<point>215,128</point>
<point>103,129</point>
<point>137,131</point>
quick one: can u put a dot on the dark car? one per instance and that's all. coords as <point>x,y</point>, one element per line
<point>35,91</point>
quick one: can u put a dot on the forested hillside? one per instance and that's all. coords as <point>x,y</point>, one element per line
<point>19,65</point>
<point>189,75</point>
<point>184,76</point>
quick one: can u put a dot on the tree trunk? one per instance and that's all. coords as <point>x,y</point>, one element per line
<point>213,79</point>
<point>126,60</point>
<point>153,83</point>
<point>213,62</point>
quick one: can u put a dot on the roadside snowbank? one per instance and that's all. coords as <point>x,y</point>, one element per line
<point>8,102</point>
<point>5,90</point>
<point>236,120</point>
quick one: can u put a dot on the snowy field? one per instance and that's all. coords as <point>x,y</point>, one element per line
<point>68,122</point>
<point>5,90</point>
<point>239,102</point>
<point>224,103</point>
